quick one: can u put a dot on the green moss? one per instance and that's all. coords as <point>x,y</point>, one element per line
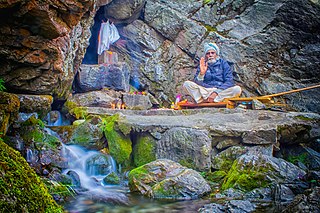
<point>63,190</point>
<point>216,176</point>
<point>138,173</point>
<point>35,135</point>
<point>164,190</point>
<point>79,112</point>
<point>112,178</point>
<point>124,128</point>
<point>303,158</point>
<point>210,28</point>
<point>188,162</point>
<point>304,118</point>
<point>70,105</point>
<point>144,150</point>
<point>21,190</point>
<point>120,146</point>
<point>245,179</point>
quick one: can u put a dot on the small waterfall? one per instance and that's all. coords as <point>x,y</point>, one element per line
<point>88,168</point>
<point>31,156</point>
<point>55,118</point>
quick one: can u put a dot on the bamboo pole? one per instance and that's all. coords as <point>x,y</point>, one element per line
<point>291,91</point>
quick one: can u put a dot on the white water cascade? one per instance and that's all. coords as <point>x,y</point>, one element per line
<point>88,170</point>
<point>90,166</point>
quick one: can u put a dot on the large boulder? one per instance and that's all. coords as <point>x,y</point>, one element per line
<point>50,38</point>
<point>167,179</point>
<point>254,171</point>
<point>95,77</point>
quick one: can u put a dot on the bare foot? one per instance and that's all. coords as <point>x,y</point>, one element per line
<point>211,98</point>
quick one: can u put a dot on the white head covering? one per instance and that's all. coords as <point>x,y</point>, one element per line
<point>211,46</point>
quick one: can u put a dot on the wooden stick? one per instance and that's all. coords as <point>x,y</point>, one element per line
<point>291,91</point>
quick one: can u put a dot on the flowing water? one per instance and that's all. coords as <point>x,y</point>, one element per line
<point>89,168</point>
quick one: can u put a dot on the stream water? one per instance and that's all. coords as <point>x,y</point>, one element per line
<point>88,169</point>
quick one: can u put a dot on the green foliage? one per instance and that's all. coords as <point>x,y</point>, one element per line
<point>21,190</point>
<point>64,190</point>
<point>303,158</point>
<point>2,87</point>
<point>206,1</point>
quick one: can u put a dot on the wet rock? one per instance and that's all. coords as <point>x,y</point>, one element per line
<point>254,171</point>
<point>41,104</point>
<point>112,178</point>
<point>88,134</point>
<point>240,206</point>
<point>166,179</point>
<point>213,207</point>
<point>99,165</point>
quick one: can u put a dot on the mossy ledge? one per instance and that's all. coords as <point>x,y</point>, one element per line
<point>20,188</point>
<point>120,145</point>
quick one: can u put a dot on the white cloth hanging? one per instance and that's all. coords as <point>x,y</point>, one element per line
<point>108,34</point>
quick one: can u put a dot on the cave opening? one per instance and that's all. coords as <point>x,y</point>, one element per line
<point>91,56</point>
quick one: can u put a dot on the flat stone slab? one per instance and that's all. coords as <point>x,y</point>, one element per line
<point>210,118</point>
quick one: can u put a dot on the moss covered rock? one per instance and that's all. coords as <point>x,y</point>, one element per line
<point>120,145</point>
<point>145,150</point>
<point>112,178</point>
<point>167,179</point>
<point>254,171</point>
<point>21,190</point>
<point>88,134</point>
<point>9,108</point>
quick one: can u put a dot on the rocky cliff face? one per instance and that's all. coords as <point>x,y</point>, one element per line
<point>42,44</point>
<point>273,45</point>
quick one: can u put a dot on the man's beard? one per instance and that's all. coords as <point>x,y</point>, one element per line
<point>212,60</point>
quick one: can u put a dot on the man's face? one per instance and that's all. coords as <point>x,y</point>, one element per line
<point>211,56</point>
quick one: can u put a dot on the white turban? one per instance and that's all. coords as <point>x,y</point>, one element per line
<point>211,46</point>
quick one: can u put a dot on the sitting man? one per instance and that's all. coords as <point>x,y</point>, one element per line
<point>213,80</point>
